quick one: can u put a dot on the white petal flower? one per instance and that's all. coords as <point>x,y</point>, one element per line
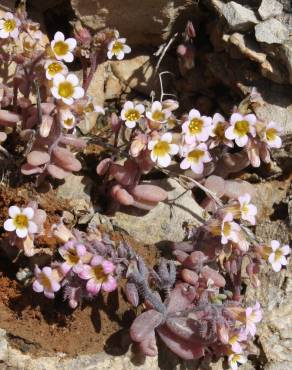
<point>20,221</point>
<point>157,113</point>
<point>277,257</point>
<point>67,119</point>
<point>229,229</point>
<point>62,48</point>
<point>236,358</point>
<point>271,135</point>
<point>240,127</point>
<point>53,67</point>
<point>118,48</point>
<point>162,150</point>
<point>66,88</point>
<point>219,126</point>
<point>197,127</point>
<point>131,113</point>
<point>9,26</point>
<point>247,210</point>
<point>195,157</point>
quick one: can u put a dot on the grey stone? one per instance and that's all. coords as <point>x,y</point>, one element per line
<point>286,56</point>
<point>238,17</point>
<point>271,31</point>
<point>270,8</point>
<point>283,365</point>
<point>164,222</point>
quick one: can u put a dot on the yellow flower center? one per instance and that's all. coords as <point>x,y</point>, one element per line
<point>241,128</point>
<point>117,47</point>
<point>195,126</point>
<point>161,148</point>
<point>72,258</point>
<point>9,25</point>
<point>99,274</point>
<point>226,228</point>
<point>244,208</point>
<point>271,134</point>
<point>66,89</point>
<point>195,155</point>
<point>61,48</point>
<point>21,221</point>
<point>89,108</point>
<point>235,358</point>
<point>233,339</point>
<point>68,122</point>
<point>158,116</point>
<point>219,130</point>
<point>55,68</point>
<point>132,115</point>
<point>278,254</point>
<point>45,282</point>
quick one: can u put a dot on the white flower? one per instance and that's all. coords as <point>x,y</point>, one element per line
<point>162,149</point>
<point>236,358</point>
<point>62,48</point>
<point>20,221</point>
<point>197,127</point>
<point>277,256</point>
<point>195,157</point>
<point>132,113</point>
<point>53,67</point>
<point>247,210</point>
<point>157,113</point>
<point>229,229</point>
<point>118,48</point>
<point>240,127</point>
<point>253,315</point>
<point>9,26</point>
<point>67,119</point>
<point>66,88</point>
<point>271,136</point>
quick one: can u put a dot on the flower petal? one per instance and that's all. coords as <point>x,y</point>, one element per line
<point>73,79</point>
<point>37,287</point>
<point>108,267</point>
<point>9,225</point>
<point>93,287</point>
<point>156,106</point>
<point>164,161</point>
<point>29,212</point>
<point>13,211</point>
<point>71,43</point>
<point>21,233</point>
<point>69,57</point>
<point>109,285</point>
<point>78,92</point>
<point>32,227</point>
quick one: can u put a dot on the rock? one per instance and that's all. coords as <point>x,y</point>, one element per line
<point>283,365</point>
<point>271,31</point>
<point>76,189</point>
<point>247,47</point>
<point>150,23</point>
<point>238,17</point>
<point>166,221</point>
<point>270,8</point>
<point>286,49</point>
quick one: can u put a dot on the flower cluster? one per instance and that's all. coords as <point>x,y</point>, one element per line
<point>83,273</point>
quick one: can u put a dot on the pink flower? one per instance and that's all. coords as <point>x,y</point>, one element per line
<point>240,127</point>
<point>253,315</point>
<point>46,281</point>
<point>236,339</point>
<point>195,157</point>
<point>98,275</point>
<point>247,210</point>
<point>197,127</point>
<point>72,253</point>
<point>229,229</point>
<point>277,256</point>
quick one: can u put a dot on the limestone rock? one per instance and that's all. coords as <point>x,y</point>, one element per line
<point>287,58</point>
<point>270,8</point>
<point>238,17</point>
<point>145,23</point>
<point>247,47</point>
<point>165,222</point>
<point>271,31</point>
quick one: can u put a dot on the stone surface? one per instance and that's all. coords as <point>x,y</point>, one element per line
<point>150,23</point>
<point>287,57</point>
<point>165,222</point>
<point>270,8</point>
<point>247,47</point>
<point>238,17</point>
<point>271,31</point>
